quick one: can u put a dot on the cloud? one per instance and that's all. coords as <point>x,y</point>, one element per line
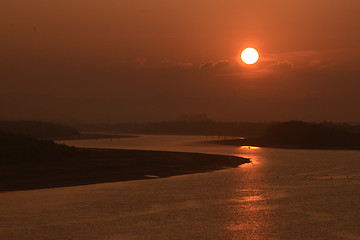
<point>140,61</point>
<point>282,65</point>
<point>315,62</point>
<point>185,64</point>
<point>214,64</point>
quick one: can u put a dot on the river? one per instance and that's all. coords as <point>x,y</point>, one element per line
<point>281,194</point>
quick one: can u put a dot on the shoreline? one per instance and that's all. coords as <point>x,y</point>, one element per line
<point>91,166</point>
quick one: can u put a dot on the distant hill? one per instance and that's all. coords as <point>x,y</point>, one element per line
<point>201,127</point>
<point>37,129</point>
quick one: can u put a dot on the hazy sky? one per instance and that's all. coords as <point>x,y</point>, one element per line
<point>127,60</point>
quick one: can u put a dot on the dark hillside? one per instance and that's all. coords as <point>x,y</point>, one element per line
<point>17,149</point>
<point>37,129</point>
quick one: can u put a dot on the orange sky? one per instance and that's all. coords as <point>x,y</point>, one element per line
<point>157,60</point>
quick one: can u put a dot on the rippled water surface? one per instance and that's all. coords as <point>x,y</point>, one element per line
<point>282,194</point>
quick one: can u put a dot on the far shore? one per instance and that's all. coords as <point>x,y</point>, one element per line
<point>90,166</point>
<point>88,136</point>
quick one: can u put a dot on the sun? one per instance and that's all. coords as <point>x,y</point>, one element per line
<point>249,56</point>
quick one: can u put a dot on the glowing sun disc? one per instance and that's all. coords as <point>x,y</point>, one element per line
<point>249,56</point>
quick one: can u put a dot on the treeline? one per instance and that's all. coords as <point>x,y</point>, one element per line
<point>37,129</point>
<point>306,135</point>
<point>18,149</point>
<point>183,128</point>
<point>312,135</point>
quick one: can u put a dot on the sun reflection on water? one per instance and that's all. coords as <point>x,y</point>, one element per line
<point>248,215</point>
<point>250,211</point>
<point>251,152</point>
<point>249,147</point>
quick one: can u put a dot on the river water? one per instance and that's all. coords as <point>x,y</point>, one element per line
<point>281,194</point>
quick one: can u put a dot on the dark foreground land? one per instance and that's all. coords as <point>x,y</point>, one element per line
<point>27,162</point>
<point>89,166</point>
